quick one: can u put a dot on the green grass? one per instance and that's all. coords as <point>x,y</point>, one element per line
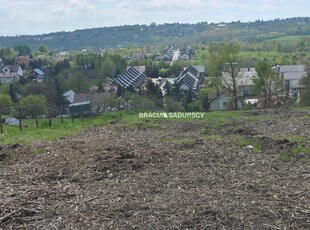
<point>299,153</point>
<point>58,130</point>
<point>289,38</point>
<point>212,137</point>
<point>131,119</point>
<point>246,141</point>
<point>291,138</point>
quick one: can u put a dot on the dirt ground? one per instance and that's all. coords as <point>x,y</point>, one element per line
<point>162,175</point>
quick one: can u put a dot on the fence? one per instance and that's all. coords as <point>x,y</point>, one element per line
<point>16,115</point>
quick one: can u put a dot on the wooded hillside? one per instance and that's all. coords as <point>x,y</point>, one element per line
<point>161,35</point>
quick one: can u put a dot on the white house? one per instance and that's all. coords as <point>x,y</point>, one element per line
<point>10,73</point>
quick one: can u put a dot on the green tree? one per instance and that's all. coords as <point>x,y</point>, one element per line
<point>13,94</point>
<point>5,104</point>
<point>22,50</point>
<point>120,91</point>
<point>78,83</point>
<point>108,69</point>
<point>59,89</point>
<point>7,55</point>
<point>168,88</point>
<point>305,92</point>
<point>215,66</point>
<point>171,105</point>
<point>33,105</point>
<point>43,49</point>
<point>37,88</point>
<point>266,84</point>
<point>154,92</point>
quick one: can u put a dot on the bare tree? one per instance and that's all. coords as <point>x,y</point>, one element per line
<point>231,60</point>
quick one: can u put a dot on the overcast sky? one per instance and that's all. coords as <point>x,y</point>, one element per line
<point>45,16</point>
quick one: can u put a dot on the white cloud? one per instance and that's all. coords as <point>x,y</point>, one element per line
<point>174,3</point>
<point>37,16</point>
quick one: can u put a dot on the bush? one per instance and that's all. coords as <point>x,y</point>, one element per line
<point>173,106</point>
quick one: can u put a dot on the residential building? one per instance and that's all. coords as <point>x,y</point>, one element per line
<point>244,81</point>
<point>186,52</point>
<point>131,77</point>
<point>140,68</point>
<point>36,74</point>
<point>10,73</point>
<point>168,53</point>
<point>291,74</point>
<point>191,79</point>
<point>22,60</point>
<point>221,101</point>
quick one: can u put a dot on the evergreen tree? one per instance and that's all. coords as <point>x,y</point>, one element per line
<point>13,94</point>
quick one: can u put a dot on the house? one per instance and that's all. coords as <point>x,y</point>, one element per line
<point>221,101</point>
<point>80,104</point>
<point>140,68</point>
<point>168,53</point>
<point>291,74</point>
<point>80,109</point>
<point>186,53</point>
<point>10,73</point>
<point>244,80</point>
<point>69,96</point>
<point>191,79</point>
<point>61,56</point>
<point>22,60</point>
<point>36,74</point>
<point>131,77</point>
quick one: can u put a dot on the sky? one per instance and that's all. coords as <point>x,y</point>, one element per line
<point>33,17</point>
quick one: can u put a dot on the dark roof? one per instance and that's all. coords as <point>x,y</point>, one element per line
<point>81,97</point>
<point>131,77</point>
<point>212,96</point>
<point>191,81</point>
<point>14,68</point>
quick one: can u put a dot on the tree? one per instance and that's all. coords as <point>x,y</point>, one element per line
<point>41,88</point>
<point>168,88</point>
<point>154,92</point>
<point>43,49</point>
<point>7,55</point>
<point>5,104</point>
<point>172,105</point>
<point>305,92</point>
<point>266,84</point>
<point>215,66</point>
<point>231,62</point>
<point>13,94</point>
<point>78,83</point>
<point>59,89</point>
<point>108,69</point>
<point>33,105</point>
<point>22,50</point>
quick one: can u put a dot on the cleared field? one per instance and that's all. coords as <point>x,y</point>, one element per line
<point>247,170</point>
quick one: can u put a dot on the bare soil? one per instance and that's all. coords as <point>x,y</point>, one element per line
<point>172,175</point>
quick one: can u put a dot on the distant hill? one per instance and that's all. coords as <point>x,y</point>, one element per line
<point>164,34</point>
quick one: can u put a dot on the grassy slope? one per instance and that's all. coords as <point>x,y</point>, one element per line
<point>230,120</point>
<point>13,135</point>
